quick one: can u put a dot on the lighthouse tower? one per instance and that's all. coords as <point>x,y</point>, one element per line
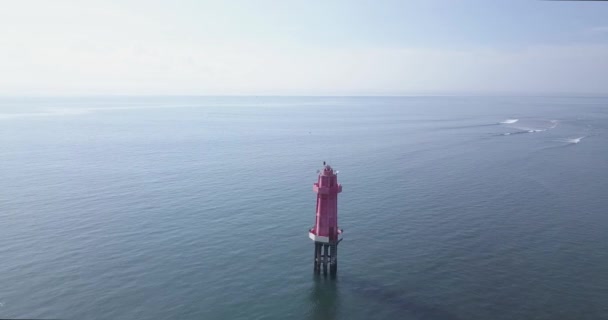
<point>325,232</point>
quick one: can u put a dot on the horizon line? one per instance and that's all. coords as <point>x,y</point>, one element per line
<point>539,94</point>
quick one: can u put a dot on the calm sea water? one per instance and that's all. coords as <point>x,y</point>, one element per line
<point>198,208</point>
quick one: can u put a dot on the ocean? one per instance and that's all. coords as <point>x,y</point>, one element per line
<point>198,207</point>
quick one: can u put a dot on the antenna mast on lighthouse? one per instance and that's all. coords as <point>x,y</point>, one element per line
<point>325,233</point>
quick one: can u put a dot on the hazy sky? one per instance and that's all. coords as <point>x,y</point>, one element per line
<point>303,47</point>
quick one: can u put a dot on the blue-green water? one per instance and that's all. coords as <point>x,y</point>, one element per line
<point>198,208</point>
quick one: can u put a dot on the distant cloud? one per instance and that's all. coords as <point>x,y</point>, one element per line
<point>209,47</point>
<point>258,69</point>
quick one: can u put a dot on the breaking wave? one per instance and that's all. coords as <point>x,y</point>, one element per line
<point>573,140</point>
<point>526,129</point>
<point>509,121</point>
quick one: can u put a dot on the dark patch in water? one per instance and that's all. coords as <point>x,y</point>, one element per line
<point>379,293</point>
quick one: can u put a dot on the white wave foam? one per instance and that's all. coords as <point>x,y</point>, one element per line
<point>524,130</point>
<point>516,132</point>
<point>555,123</point>
<point>575,140</point>
<point>509,121</point>
<point>571,140</point>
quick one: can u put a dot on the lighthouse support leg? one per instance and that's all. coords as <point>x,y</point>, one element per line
<point>317,258</point>
<point>333,265</point>
<point>325,258</point>
<point>314,258</point>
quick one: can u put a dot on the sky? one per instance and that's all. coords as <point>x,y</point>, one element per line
<point>342,47</point>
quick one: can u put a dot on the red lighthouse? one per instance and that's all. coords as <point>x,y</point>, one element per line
<point>325,233</point>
